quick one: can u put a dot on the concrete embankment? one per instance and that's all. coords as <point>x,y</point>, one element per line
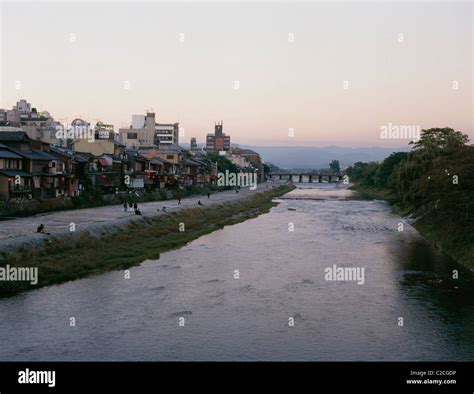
<point>124,240</point>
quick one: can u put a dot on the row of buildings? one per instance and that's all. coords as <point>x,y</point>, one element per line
<point>36,164</point>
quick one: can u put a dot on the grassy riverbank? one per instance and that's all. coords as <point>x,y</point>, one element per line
<point>64,260</point>
<point>449,230</point>
<point>433,183</point>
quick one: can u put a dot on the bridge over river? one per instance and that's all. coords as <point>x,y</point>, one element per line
<point>313,177</point>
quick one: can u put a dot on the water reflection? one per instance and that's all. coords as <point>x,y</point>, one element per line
<point>281,275</point>
<point>431,275</point>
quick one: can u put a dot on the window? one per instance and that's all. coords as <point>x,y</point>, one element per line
<point>132,136</point>
<point>12,163</point>
<point>170,157</point>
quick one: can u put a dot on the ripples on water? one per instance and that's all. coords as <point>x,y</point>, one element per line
<point>281,276</point>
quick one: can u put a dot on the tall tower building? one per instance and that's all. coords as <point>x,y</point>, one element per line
<point>218,141</point>
<point>218,129</point>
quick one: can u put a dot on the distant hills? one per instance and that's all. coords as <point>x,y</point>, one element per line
<point>312,157</point>
<point>301,157</point>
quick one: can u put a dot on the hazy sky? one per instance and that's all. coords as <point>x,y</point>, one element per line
<point>74,60</point>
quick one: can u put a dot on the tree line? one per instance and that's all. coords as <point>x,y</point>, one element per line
<point>434,182</point>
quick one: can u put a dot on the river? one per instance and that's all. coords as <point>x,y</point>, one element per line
<point>281,275</point>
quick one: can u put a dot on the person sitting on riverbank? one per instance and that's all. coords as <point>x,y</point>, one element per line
<point>137,212</point>
<point>199,202</point>
<point>41,229</point>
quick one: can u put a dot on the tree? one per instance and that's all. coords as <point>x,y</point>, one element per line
<point>334,166</point>
<point>363,173</point>
<point>266,168</point>
<point>223,163</point>
<point>385,174</point>
<point>440,139</point>
<point>434,144</point>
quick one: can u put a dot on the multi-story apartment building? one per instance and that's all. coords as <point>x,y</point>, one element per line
<point>166,134</point>
<point>38,125</point>
<point>145,132</point>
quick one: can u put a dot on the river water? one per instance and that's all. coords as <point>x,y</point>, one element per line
<point>281,275</point>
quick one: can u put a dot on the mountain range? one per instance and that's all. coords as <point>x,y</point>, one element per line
<point>315,158</point>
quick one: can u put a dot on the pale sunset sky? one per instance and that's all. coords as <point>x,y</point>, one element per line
<point>182,59</point>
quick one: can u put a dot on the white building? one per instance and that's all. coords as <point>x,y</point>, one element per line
<point>138,121</point>
<point>38,125</point>
<point>145,132</point>
<point>238,160</point>
<point>22,106</point>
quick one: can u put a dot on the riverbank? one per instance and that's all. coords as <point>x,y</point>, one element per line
<point>73,256</point>
<point>95,198</point>
<point>441,226</point>
<point>433,184</point>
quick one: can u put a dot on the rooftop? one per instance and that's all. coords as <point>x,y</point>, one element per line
<point>14,136</point>
<point>5,153</point>
<point>36,155</point>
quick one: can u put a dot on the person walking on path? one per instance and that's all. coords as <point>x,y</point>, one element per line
<point>125,206</point>
<point>179,200</point>
<point>208,195</point>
